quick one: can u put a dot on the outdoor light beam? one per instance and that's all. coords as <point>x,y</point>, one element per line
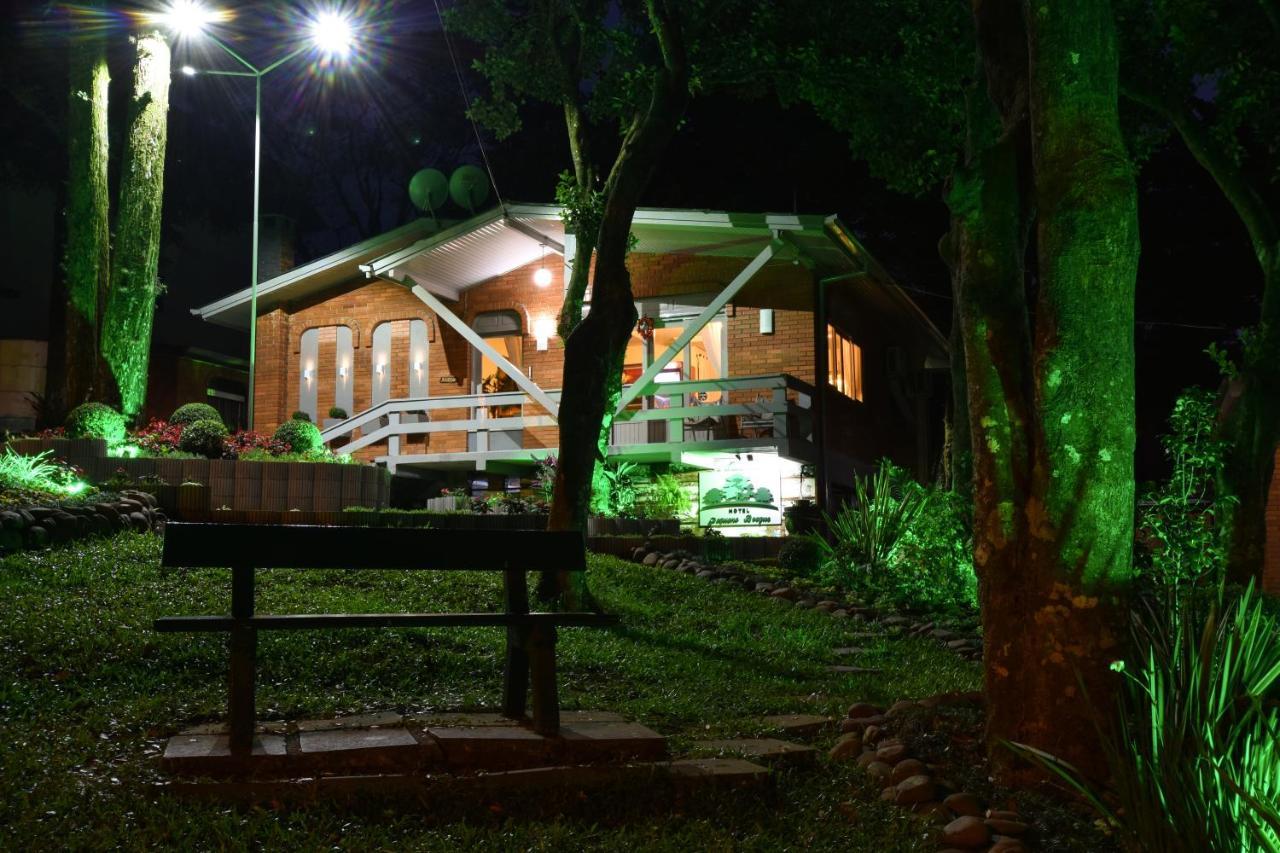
<point>333,34</point>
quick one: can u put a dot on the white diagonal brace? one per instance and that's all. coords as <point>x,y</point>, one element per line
<point>641,385</point>
<point>524,382</point>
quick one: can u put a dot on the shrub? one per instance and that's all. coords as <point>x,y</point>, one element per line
<point>300,416</point>
<point>865,532</point>
<point>1180,517</point>
<point>205,437</point>
<point>244,442</point>
<point>338,412</point>
<point>189,413</point>
<point>932,564</point>
<point>158,438</point>
<point>95,420</point>
<point>1194,756</point>
<point>665,498</point>
<point>298,436</point>
<point>801,555</point>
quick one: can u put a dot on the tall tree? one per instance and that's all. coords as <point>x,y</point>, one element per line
<point>633,65</point>
<point>1211,72</point>
<point>131,298</point>
<point>87,252</point>
<point>1029,144</point>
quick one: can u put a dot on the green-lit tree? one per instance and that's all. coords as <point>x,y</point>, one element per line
<point>633,65</point>
<point>131,297</point>
<point>87,251</point>
<point>1028,142</point>
<point>1210,71</point>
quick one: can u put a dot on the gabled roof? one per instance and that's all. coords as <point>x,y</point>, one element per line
<point>449,260</point>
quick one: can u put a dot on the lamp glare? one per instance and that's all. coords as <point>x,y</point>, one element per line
<point>542,277</point>
<point>332,34</point>
<point>186,18</point>
<point>188,70</point>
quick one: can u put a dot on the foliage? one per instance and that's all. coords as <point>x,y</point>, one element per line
<point>189,413</point>
<point>544,477</point>
<point>205,437</point>
<point>1195,755</point>
<point>932,564</point>
<point>38,473</point>
<point>616,489</point>
<point>801,555</point>
<point>300,415</point>
<point>665,497</point>
<point>1181,516</point>
<point>95,420</point>
<point>317,454</point>
<point>338,412</point>
<point>158,438</point>
<point>241,443</point>
<point>298,436</point>
<point>865,532</point>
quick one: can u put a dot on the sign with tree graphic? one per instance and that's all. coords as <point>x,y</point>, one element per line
<point>744,496</point>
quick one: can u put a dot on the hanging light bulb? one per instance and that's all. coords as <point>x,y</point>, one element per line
<point>542,276</point>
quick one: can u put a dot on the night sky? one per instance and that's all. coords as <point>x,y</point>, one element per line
<point>340,145</point>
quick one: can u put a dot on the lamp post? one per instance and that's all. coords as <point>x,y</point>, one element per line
<point>329,32</point>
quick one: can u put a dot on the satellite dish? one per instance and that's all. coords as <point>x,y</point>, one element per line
<point>469,187</point>
<point>428,189</point>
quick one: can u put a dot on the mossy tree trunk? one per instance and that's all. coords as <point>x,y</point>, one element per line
<point>595,350</point>
<point>130,303</point>
<point>87,253</point>
<point>1051,405</point>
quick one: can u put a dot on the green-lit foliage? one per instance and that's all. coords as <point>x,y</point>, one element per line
<point>37,473</point>
<point>317,454</point>
<point>189,413</point>
<point>95,420</point>
<point>338,412</point>
<point>800,555</point>
<point>1182,515</point>
<point>614,491</point>
<point>932,564</point>
<point>206,437</point>
<point>544,477</point>
<point>300,416</point>
<point>1195,756</point>
<point>664,497</point>
<point>300,436</point>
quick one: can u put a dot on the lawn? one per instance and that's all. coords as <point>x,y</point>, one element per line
<point>88,692</point>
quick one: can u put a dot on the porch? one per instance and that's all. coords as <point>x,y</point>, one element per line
<point>509,430</point>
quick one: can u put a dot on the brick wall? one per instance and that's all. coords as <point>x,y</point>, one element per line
<point>1271,560</point>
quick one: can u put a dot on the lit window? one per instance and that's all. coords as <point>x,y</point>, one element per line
<point>844,364</point>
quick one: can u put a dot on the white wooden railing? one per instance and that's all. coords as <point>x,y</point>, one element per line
<point>779,412</point>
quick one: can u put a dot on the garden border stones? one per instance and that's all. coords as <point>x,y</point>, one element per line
<point>28,528</point>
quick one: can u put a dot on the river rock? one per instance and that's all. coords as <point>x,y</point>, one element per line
<point>966,831</point>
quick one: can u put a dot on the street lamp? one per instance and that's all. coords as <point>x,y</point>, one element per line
<point>330,32</point>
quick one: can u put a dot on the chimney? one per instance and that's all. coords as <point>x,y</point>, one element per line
<point>275,245</point>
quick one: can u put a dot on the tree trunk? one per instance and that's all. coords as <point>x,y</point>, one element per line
<point>130,305</point>
<point>1073,583</point>
<point>87,253</point>
<point>594,352</point>
<point>1251,425</point>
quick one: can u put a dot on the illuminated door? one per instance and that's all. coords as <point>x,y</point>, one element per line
<point>501,330</point>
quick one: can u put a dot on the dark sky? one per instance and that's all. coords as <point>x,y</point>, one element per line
<point>340,145</point>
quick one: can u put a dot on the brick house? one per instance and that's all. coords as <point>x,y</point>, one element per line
<point>764,338</point>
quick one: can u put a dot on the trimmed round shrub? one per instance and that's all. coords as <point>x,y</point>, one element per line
<point>800,554</point>
<point>338,412</point>
<point>206,437</point>
<point>300,436</point>
<point>301,416</point>
<point>189,413</point>
<point>95,420</point>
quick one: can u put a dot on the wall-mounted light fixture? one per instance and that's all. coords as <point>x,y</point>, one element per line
<point>766,321</point>
<point>342,372</point>
<point>542,275</point>
<point>417,365</point>
<point>306,374</point>
<point>543,329</point>
<point>382,367</point>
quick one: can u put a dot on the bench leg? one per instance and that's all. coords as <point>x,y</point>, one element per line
<point>240,705</point>
<point>515,684</point>
<point>542,666</point>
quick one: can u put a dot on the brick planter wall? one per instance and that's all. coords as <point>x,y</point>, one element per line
<point>244,486</point>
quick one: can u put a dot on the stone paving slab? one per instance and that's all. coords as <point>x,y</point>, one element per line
<point>800,725</point>
<point>274,727</point>
<point>771,751</point>
<point>460,718</point>
<point>334,751</point>
<point>613,741</point>
<point>727,772</point>
<point>211,754</point>
<point>486,747</point>
<point>854,670</point>
<point>358,721</point>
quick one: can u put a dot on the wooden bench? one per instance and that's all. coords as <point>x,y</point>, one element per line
<point>245,548</point>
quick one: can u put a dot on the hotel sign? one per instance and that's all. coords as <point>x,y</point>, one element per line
<point>743,496</point>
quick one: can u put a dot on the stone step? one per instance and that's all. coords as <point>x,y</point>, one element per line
<point>800,725</point>
<point>770,751</point>
<point>339,748</point>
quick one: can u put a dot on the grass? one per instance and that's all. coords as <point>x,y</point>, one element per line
<point>88,692</point>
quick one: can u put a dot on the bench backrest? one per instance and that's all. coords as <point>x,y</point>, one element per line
<point>268,546</point>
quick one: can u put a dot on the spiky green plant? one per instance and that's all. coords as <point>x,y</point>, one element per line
<point>1194,756</point>
<point>863,534</point>
<point>36,473</point>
